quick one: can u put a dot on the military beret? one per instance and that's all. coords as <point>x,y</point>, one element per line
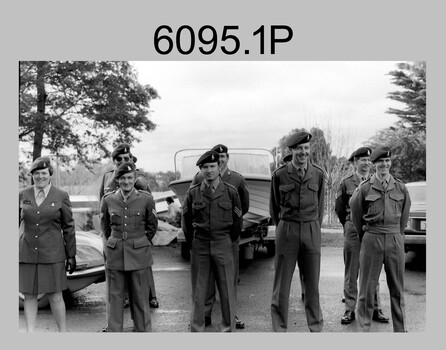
<point>120,149</point>
<point>41,163</point>
<point>287,158</point>
<point>208,157</point>
<point>361,152</point>
<point>220,148</point>
<point>298,138</point>
<point>381,152</point>
<point>124,168</point>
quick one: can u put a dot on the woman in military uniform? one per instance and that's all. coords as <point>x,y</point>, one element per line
<point>47,244</point>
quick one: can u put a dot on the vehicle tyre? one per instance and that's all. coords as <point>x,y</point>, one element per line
<point>185,252</point>
<point>271,248</point>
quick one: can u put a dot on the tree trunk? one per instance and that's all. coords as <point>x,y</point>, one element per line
<point>40,117</point>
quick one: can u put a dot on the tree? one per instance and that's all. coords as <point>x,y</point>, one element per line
<point>78,110</point>
<point>411,77</point>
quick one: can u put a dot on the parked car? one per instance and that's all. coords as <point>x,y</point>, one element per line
<point>415,232</point>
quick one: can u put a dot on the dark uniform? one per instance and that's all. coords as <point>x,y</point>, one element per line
<point>238,181</point>
<point>380,216</point>
<point>351,244</point>
<point>128,227</point>
<point>296,207</point>
<point>211,222</point>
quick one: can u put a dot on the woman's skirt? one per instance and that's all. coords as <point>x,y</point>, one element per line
<point>42,278</point>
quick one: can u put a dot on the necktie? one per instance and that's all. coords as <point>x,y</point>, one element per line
<point>384,184</point>
<point>300,173</point>
<point>40,197</point>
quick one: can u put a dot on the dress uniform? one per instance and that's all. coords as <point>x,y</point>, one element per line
<point>380,211</point>
<point>128,225</point>
<point>296,207</point>
<point>238,181</point>
<point>351,242</point>
<point>211,222</point>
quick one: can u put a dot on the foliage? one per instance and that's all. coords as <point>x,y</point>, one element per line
<point>411,77</point>
<point>78,110</point>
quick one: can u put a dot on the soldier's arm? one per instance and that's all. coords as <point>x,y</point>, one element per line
<point>237,220</point>
<point>274,200</point>
<point>405,210</point>
<point>186,220</point>
<point>101,190</point>
<point>357,212</point>
<point>152,220</point>
<point>340,204</point>
<point>68,227</point>
<point>105,223</point>
<point>243,193</point>
<point>321,198</point>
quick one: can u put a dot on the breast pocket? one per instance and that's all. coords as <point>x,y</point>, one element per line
<point>115,218</point>
<point>374,203</point>
<point>136,218</point>
<point>286,192</point>
<point>225,208</point>
<point>396,201</point>
<point>198,211</point>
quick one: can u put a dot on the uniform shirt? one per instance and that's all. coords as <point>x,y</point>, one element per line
<point>47,231</point>
<point>211,216</point>
<point>46,190</point>
<point>295,199</point>
<point>345,191</point>
<point>377,210</point>
<point>235,179</point>
<point>128,227</point>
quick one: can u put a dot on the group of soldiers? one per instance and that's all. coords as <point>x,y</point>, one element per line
<point>373,210</point>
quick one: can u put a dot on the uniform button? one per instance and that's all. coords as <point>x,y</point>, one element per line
<point>125,216</point>
<point>37,236</point>
<point>37,224</point>
<point>125,208</point>
<point>125,224</point>
<point>38,212</point>
<point>35,248</point>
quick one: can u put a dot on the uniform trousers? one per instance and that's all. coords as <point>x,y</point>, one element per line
<point>210,298</point>
<point>138,285</point>
<point>297,242</point>
<point>352,247</point>
<point>376,250</point>
<point>216,256</point>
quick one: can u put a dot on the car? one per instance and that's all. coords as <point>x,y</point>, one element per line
<point>415,232</point>
<point>89,259</point>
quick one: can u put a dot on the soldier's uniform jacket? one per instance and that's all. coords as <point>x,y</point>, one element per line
<point>211,216</point>
<point>235,179</point>
<point>110,184</point>
<point>378,211</point>
<point>127,229</point>
<point>47,231</point>
<point>293,199</point>
<point>345,191</point>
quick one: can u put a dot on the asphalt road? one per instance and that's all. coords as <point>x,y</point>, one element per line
<point>172,280</point>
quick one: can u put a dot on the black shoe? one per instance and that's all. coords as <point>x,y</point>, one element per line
<point>105,329</point>
<point>207,321</point>
<point>302,296</point>
<point>349,317</point>
<point>239,324</point>
<point>343,300</point>
<point>154,303</point>
<point>378,316</point>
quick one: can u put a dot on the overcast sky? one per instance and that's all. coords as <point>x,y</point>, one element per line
<point>254,104</point>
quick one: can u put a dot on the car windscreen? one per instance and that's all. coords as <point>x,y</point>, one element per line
<point>417,193</point>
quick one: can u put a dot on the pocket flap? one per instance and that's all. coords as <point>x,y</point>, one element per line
<point>313,186</point>
<point>372,197</point>
<point>225,205</point>
<point>396,196</point>
<point>111,242</point>
<point>198,205</point>
<point>141,242</point>
<point>287,188</point>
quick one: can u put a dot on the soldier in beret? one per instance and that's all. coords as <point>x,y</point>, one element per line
<point>121,154</point>
<point>128,223</point>
<point>238,181</point>
<point>296,207</point>
<point>47,244</point>
<point>211,223</point>
<point>380,211</point>
<point>361,163</point>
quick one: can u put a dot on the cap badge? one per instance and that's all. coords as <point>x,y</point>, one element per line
<point>368,152</point>
<point>388,154</point>
<point>44,164</point>
<point>212,157</point>
<point>308,137</point>
<point>129,168</point>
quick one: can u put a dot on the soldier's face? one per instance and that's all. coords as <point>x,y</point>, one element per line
<point>223,160</point>
<point>124,157</point>
<point>363,164</point>
<point>41,178</point>
<point>383,166</point>
<point>210,171</point>
<point>301,153</point>
<point>127,181</point>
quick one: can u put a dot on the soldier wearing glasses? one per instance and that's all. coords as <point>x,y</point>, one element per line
<point>128,223</point>
<point>380,211</point>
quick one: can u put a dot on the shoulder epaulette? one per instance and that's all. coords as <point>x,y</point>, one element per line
<point>108,193</point>
<point>347,177</point>
<point>229,185</point>
<point>144,192</point>
<point>319,167</point>
<point>280,167</point>
<point>193,186</point>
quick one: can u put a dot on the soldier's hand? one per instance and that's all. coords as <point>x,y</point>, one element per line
<point>70,265</point>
